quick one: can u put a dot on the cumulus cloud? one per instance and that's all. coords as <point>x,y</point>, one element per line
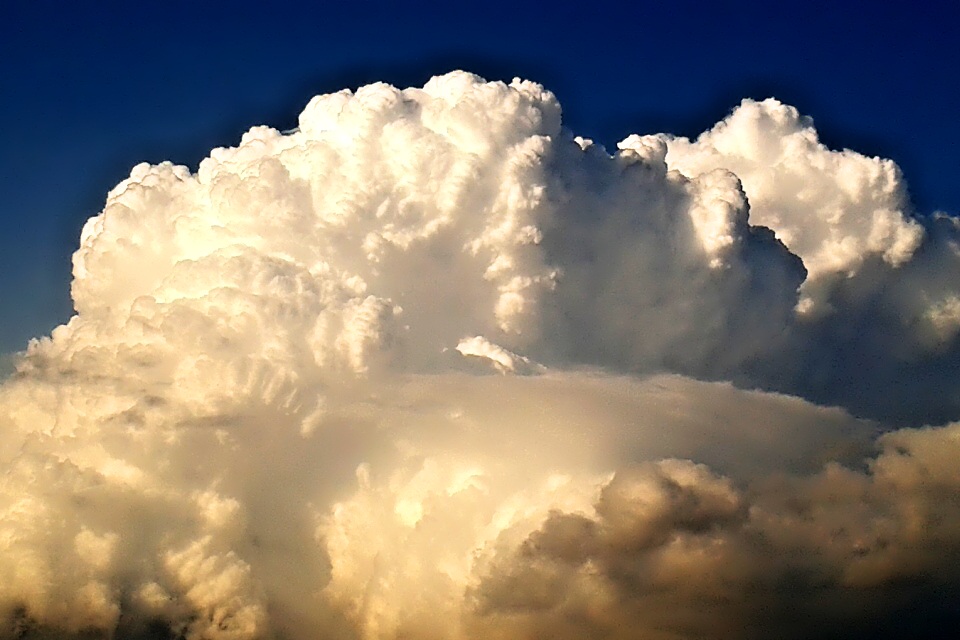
<point>432,366</point>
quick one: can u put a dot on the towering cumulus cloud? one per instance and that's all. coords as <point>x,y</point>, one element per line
<point>430,366</point>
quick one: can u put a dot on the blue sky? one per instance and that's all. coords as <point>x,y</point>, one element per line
<point>90,92</point>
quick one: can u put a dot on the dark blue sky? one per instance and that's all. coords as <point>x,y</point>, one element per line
<point>88,93</point>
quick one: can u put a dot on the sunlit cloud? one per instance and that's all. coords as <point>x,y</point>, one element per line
<point>432,366</point>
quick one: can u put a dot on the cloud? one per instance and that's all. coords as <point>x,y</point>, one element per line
<point>879,283</point>
<point>673,550</point>
<point>432,366</point>
<point>833,209</point>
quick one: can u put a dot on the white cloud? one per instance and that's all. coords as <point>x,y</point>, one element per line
<point>831,208</point>
<point>268,418</point>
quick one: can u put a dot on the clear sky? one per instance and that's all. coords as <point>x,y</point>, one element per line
<point>90,92</point>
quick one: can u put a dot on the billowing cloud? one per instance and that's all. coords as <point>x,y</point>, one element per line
<point>431,366</point>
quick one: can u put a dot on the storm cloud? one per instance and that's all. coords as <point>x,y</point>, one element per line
<point>433,366</point>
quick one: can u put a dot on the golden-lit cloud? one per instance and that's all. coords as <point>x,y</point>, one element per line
<point>432,366</point>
